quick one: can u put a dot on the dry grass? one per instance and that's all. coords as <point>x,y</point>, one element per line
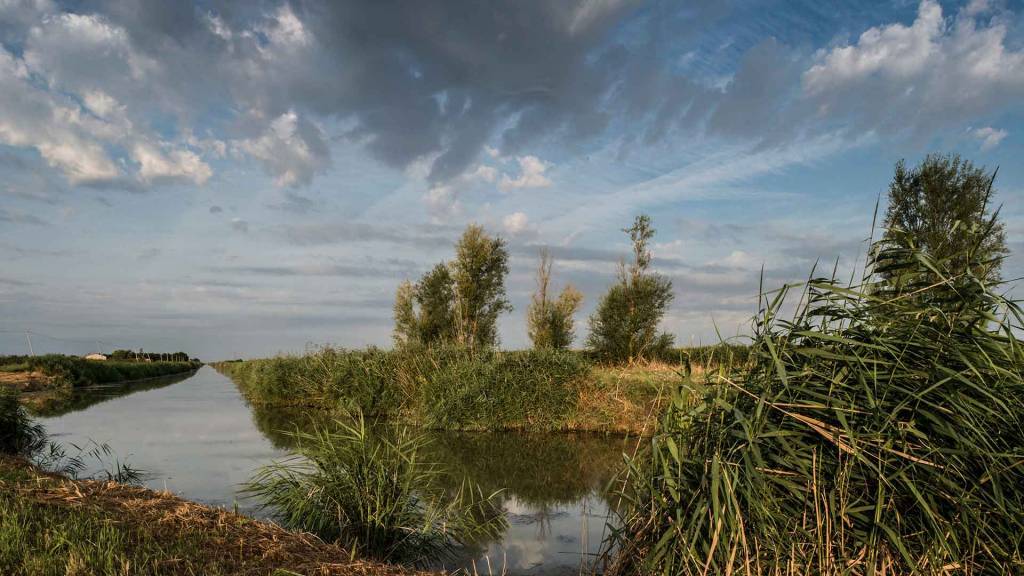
<point>625,399</point>
<point>217,541</point>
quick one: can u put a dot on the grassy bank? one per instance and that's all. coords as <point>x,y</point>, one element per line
<point>46,383</point>
<point>53,525</point>
<point>451,388</point>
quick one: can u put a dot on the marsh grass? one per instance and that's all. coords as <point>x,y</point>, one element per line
<point>446,387</point>
<point>55,526</point>
<point>375,495</point>
<point>878,431</point>
<point>19,435</point>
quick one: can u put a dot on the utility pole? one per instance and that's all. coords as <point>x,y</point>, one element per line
<point>27,337</point>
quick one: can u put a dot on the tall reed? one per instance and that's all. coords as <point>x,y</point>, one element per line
<point>878,431</point>
<point>375,495</point>
<point>19,435</point>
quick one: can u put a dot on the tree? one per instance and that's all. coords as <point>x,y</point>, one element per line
<point>423,311</point>
<point>625,325</point>
<point>435,297</point>
<point>942,208</point>
<point>550,323</point>
<point>407,325</point>
<point>478,278</point>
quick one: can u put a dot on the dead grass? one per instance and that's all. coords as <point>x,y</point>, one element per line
<point>625,399</point>
<point>217,541</point>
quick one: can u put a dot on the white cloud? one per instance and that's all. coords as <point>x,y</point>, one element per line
<point>990,137</point>
<point>156,165</point>
<point>291,149</point>
<point>895,50</point>
<point>935,73</point>
<point>515,223</point>
<point>531,175</point>
<point>32,118</point>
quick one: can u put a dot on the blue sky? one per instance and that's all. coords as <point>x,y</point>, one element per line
<point>241,179</point>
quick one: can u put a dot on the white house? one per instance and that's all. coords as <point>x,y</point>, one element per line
<point>95,356</point>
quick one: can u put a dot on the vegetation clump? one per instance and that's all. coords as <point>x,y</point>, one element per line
<point>76,372</point>
<point>450,386</point>
<point>19,435</point>
<point>877,431</point>
<point>375,495</point>
<point>459,301</point>
<point>624,328</point>
<point>550,321</point>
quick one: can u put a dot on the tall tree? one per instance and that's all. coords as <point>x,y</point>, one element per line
<point>625,325</point>
<point>550,322</point>
<point>942,207</point>
<point>478,274</point>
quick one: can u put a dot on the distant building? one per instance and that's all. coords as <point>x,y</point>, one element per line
<point>95,356</point>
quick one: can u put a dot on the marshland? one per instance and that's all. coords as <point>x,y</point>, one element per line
<point>491,288</point>
<point>866,425</point>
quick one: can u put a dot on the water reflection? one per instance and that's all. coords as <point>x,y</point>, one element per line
<point>554,487</point>
<point>61,402</point>
<point>199,439</point>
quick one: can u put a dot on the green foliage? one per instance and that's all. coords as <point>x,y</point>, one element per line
<point>19,435</point>
<point>455,388</point>
<point>423,311</point>
<point>872,433</point>
<point>440,386</point>
<point>550,322</point>
<point>77,372</point>
<point>460,301</point>
<point>478,277</point>
<point>942,208</point>
<point>141,356</point>
<point>624,328</point>
<point>375,495</point>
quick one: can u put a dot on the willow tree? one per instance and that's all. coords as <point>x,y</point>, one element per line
<point>550,322</point>
<point>624,328</point>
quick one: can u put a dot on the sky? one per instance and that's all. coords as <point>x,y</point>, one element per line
<point>242,179</point>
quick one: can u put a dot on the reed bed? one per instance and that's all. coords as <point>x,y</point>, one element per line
<point>376,495</point>
<point>878,431</point>
<point>447,387</point>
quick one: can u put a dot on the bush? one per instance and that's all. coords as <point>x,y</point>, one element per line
<point>870,434</point>
<point>375,496</point>
<point>19,435</point>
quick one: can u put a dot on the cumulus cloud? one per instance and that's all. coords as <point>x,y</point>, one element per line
<point>156,165</point>
<point>292,149</point>
<point>937,72</point>
<point>531,175</point>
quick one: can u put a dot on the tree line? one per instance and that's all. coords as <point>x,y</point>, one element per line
<point>459,302</point>
<point>941,207</point>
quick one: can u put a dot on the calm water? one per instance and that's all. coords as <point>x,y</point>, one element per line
<point>199,439</point>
